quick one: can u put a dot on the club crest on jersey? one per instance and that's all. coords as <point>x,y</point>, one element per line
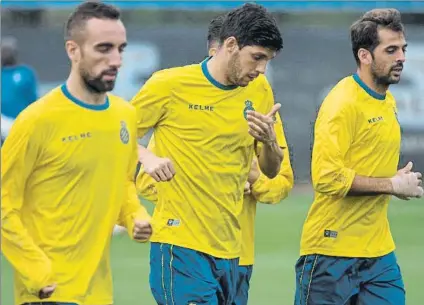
<point>124,133</point>
<point>248,106</point>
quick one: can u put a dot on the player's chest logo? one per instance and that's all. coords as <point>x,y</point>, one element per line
<point>248,106</point>
<point>200,107</point>
<point>124,133</point>
<point>77,137</point>
<point>376,119</point>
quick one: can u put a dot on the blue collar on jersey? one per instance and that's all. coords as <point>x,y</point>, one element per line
<point>211,79</point>
<point>367,89</point>
<point>81,103</point>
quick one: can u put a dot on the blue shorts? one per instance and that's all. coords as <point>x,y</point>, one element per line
<point>181,276</point>
<point>333,280</point>
<point>243,283</point>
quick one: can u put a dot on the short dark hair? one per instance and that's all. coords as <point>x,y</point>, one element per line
<point>252,25</point>
<point>364,32</point>
<point>214,29</point>
<point>86,11</point>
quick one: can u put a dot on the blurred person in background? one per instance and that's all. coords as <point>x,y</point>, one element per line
<point>347,249</point>
<point>209,121</point>
<point>68,168</point>
<point>258,188</point>
<point>18,85</point>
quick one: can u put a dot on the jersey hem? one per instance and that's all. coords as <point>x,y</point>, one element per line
<point>358,254</point>
<point>246,262</point>
<point>217,254</point>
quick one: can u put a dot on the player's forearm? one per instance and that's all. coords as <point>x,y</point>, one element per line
<point>143,152</point>
<point>270,159</point>
<point>368,186</point>
<point>26,258</point>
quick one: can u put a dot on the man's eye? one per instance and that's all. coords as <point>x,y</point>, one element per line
<point>103,49</point>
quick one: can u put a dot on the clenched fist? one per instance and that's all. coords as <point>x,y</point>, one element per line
<point>160,169</point>
<point>142,230</point>
<point>47,292</point>
<point>407,184</point>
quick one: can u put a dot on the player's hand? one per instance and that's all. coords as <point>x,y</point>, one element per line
<point>47,292</point>
<point>406,169</point>
<point>247,190</point>
<point>160,169</point>
<point>142,230</point>
<point>407,184</point>
<point>261,127</point>
<point>254,171</point>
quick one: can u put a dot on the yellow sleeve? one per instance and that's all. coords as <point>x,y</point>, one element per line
<point>274,190</point>
<point>151,102</point>
<point>146,185</point>
<point>132,209</point>
<point>19,157</point>
<point>333,135</point>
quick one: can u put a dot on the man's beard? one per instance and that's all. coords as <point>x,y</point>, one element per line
<point>234,70</point>
<point>97,84</point>
<point>384,80</point>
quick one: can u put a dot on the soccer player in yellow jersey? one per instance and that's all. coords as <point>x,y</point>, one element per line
<point>68,168</point>
<point>347,250</point>
<point>257,188</point>
<point>206,119</point>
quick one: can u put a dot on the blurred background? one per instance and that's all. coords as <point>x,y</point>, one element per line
<point>315,57</point>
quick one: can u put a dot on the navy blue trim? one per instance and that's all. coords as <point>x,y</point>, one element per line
<point>211,79</point>
<point>81,103</point>
<point>367,89</point>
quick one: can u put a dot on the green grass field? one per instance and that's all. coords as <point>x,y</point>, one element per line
<point>277,243</point>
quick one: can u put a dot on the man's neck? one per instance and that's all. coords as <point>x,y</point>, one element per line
<point>217,69</point>
<point>76,87</point>
<point>369,81</point>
